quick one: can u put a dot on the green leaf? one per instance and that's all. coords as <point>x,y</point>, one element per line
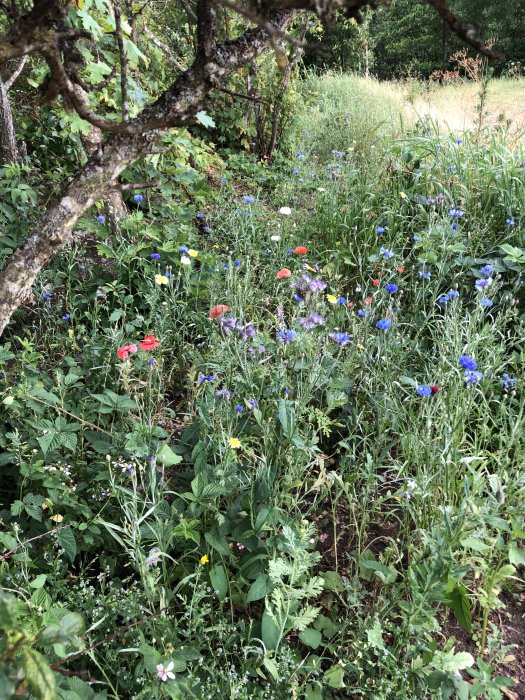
<point>458,662</point>
<point>39,581</point>
<point>334,677</point>
<point>41,599</point>
<point>516,554</point>
<point>72,624</point>
<point>167,457</point>
<point>333,581</point>
<point>205,119</point>
<point>260,588</point>
<point>270,634</point>
<point>216,542</point>
<point>311,637</point>
<point>287,417</point>
<point>375,635</point>
<point>8,610</point>
<point>460,604</point>
<point>38,676</point>
<point>66,539</point>
<point>219,581</point>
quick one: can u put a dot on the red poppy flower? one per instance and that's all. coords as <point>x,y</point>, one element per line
<point>434,388</point>
<point>350,304</point>
<point>401,268</point>
<point>218,310</point>
<point>149,343</point>
<point>285,272</point>
<point>368,300</point>
<point>301,250</point>
<point>125,350</point>
<point>375,283</point>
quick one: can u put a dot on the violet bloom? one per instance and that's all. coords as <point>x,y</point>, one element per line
<point>224,393</point>
<point>286,336</point>
<point>227,324</point>
<point>341,338</point>
<point>311,321</point>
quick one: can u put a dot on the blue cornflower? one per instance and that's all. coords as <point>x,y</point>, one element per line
<point>183,249</point>
<point>138,197</point>
<point>237,263</point>
<point>363,313</point>
<point>155,256</point>
<point>459,141</point>
<point>508,381</point>
<point>384,324</point>
<point>286,336</point>
<point>45,295</point>
<point>453,294</point>
<point>342,300</point>
<point>226,266</point>
<point>262,179</point>
<point>450,168</point>
<point>509,222</point>
<point>455,213</point>
<point>224,393</point>
<point>199,215</point>
<point>205,378</point>
<point>101,219</point>
<point>483,283</point>
<point>341,338</point>
<point>297,298</point>
<point>386,253</point>
<point>391,288</point>
<point>253,403</point>
<point>472,376</point>
<point>296,171</point>
<point>486,270</point>
<point>467,362</point>
<point>290,250</point>
<point>454,226</point>
<point>151,363</point>
<point>380,230</point>
<point>223,180</point>
<point>417,239</point>
<point>443,299</point>
<point>423,390</point>
<point>249,199</point>
<point>66,317</point>
<point>239,408</point>
<point>423,275</point>
<point>287,392</point>
<point>486,302</point>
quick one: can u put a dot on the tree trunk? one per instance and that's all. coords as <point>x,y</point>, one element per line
<point>8,148</point>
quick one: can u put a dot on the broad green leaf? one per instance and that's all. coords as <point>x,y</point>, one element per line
<point>217,542</point>
<point>38,676</point>
<point>39,581</point>
<point>205,119</point>
<point>269,632</point>
<point>167,456</point>
<point>8,610</point>
<point>311,637</point>
<point>516,554</point>
<point>66,539</point>
<point>333,581</point>
<point>260,588</point>
<point>219,581</point>
<point>375,635</point>
<point>460,604</point>
<point>334,677</point>
<point>287,417</point>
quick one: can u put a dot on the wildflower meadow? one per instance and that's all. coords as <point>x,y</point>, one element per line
<point>268,441</point>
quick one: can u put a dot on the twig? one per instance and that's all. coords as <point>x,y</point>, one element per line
<point>123,61</point>
<point>126,186</point>
<point>5,556</point>
<point>169,53</point>
<point>252,98</point>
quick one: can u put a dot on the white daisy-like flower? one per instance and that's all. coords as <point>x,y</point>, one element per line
<point>185,260</point>
<point>165,672</point>
<point>276,237</point>
<point>285,210</point>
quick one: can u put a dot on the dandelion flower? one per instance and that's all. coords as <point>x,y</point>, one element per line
<point>331,298</point>
<point>204,560</point>
<point>193,253</point>
<point>234,443</point>
<point>161,279</point>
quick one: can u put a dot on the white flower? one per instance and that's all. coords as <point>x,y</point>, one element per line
<point>165,672</point>
<point>285,210</point>
<point>185,260</point>
<point>275,237</point>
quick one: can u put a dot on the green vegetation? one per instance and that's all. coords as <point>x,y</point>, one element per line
<point>268,441</point>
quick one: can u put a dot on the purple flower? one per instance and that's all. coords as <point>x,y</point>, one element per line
<point>101,219</point>
<point>386,253</point>
<point>249,199</point>
<point>342,300</point>
<point>224,393</point>
<point>472,376</point>
<point>205,378</point>
<point>138,197</point>
<point>508,381</point>
<point>223,180</point>
<point>455,213</point>
<point>311,321</point>
<point>486,270</point>
<point>423,390</point>
<point>423,275</point>
<point>239,408</point>
<point>286,336</point>
<point>155,256</point>
<point>227,324</point>
<point>467,362</point>
<point>486,302</point>
<point>453,294</point>
<point>363,313</point>
<point>384,324</point>
<point>296,171</point>
<point>417,239</point>
<point>183,249</point>
<point>45,295</point>
<point>248,331</point>
<point>297,298</point>
<point>459,141</point>
<point>66,317</point>
<point>483,283</point>
<point>153,557</point>
<point>206,229</point>
<point>391,288</point>
<point>509,222</point>
<point>341,338</point>
<point>443,299</point>
<point>237,263</point>
<point>253,403</point>
<point>380,230</point>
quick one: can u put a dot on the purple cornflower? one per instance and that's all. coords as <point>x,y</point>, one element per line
<point>311,321</point>
<point>183,249</point>
<point>45,295</point>
<point>101,219</point>
<point>443,299</point>
<point>227,324</point>
<point>155,256</point>
<point>386,253</point>
<point>286,336</point>
<point>247,331</point>
<point>205,378</point>
<point>486,270</point>
<point>341,338</point>
<point>486,302</point>
<point>308,284</point>
<point>455,213</point>
<point>223,180</point>
<point>453,294</point>
<point>296,171</point>
<point>224,393</point>
<point>237,263</point>
<point>138,197</point>
<point>253,403</point>
<point>249,199</point>
<point>423,275</point>
<point>380,230</point>
<point>459,141</point>
<point>467,362</point>
<point>483,283</point>
<point>508,381</point>
<point>423,390</point>
<point>472,376</point>
<point>342,300</point>
<point>363,313</point>
<point>239,408</point>
<point>509,222</point>
<point>297,298</point>
<point>384,324</point>
<point>391,288</point>
<point>417,239</point>
<point>66,317</point>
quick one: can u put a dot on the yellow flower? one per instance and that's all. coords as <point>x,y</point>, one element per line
<point>234,443</point>
<point>402,195</point>
<point>204,560</point>
<point>57,518</point>
<point>161,279</point>
<point>192,253</point>
<point>331,298</point>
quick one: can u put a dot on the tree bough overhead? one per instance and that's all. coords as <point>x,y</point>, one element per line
<point>47,32</point>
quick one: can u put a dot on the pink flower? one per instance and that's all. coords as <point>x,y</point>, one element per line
<point>165,672</point>
<point>125,350</point>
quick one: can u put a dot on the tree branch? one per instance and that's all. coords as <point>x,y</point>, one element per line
<point>20,67</point>
<point>123,61</point>
<point>169,53</point>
